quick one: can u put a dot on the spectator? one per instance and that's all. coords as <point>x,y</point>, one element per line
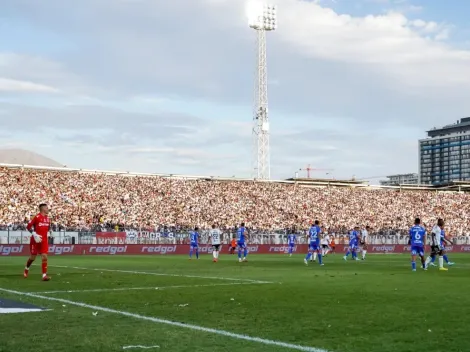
<point>94,201</point>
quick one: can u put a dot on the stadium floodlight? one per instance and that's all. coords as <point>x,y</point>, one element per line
<point>261,18</point>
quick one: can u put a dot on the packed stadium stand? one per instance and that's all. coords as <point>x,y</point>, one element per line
<point>86,200</point>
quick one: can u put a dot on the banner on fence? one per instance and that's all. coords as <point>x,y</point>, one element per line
<point>162,249</point>
<point>111,235</point>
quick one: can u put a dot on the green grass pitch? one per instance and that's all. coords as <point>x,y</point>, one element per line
<point>375,305</point>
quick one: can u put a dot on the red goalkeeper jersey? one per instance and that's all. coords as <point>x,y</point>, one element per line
<point>40,224</point>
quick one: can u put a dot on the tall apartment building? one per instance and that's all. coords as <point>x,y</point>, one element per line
<point>445,155</point>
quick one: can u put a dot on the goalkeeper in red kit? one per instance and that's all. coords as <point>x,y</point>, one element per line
<point>39,228</point>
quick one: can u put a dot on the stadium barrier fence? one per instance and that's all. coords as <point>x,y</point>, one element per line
<point>168,249</point>
<point>134,237</point>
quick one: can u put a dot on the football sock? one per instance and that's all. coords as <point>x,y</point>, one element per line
<point>44,267</point>
<point>28,264</point>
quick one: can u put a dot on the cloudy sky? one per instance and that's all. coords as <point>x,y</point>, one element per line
<point>166,86</point>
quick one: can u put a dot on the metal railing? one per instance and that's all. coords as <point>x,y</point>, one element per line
<point>182,237</point>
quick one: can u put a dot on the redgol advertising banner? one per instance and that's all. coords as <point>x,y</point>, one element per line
<point>166,249</point>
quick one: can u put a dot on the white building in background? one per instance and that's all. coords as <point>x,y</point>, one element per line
<point>400,179</point>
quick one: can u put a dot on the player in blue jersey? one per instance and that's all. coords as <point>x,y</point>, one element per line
<point>291,241</point>
<point>194,243</point>
<point>417,243</point>
<point>353,243</point>
<point>241,238</point>
<point>314,242</point>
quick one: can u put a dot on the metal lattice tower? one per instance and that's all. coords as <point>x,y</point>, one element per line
<point>263,19</point>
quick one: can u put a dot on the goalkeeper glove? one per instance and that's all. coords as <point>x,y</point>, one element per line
<point>37,238</point>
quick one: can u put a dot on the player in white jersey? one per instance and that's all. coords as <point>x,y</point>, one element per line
<point>325,244</point>
<point>364,241</point>
<point>215,236</point>
<point>436,244</point>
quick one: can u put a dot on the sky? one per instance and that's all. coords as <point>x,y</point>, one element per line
<point>166,86</point>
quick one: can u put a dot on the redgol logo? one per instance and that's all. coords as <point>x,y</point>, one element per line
<point>159,249</point>
<point>7,250</point>
<point>58,250</point>
<point>464,248</point>
<point>282,249</point>
<point>383,248</point>
<point>207,249</point>
<point>252,249</point>
<point>449,248</point>
<point>108,249</point>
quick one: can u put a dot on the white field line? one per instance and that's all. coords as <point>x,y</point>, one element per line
<point>21,310</point>
<point>144,288</point>
<point>162,274</point>
<point>169,322</point>
<point>139,346</point>
<point>405,262</point>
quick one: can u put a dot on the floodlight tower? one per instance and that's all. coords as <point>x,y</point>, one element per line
<point>262,18</point>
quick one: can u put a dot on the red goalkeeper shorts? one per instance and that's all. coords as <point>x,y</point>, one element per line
<point>38,248</point>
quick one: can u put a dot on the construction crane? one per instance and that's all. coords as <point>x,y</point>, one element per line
<point>309,169</point>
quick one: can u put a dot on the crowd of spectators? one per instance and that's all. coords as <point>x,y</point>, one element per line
<point>91,201</point>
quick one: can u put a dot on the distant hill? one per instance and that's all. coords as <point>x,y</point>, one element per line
<point>25,157</point>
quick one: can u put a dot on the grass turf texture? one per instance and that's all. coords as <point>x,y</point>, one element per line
<point>376,305</point>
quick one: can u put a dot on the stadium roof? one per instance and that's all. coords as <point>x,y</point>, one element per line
<point>454,186</point>
<point>328,181</point>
